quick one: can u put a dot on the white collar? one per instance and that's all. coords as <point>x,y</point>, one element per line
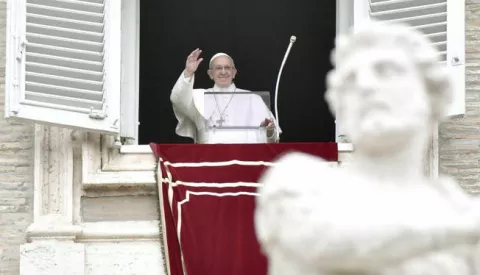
<point>230,88</point>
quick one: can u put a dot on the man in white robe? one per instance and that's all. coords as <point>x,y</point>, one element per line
<point>224,113</point>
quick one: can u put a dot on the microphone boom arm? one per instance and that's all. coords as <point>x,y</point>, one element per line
<point>292,40</point>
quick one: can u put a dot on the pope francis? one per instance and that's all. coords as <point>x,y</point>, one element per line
<point>223,113</point>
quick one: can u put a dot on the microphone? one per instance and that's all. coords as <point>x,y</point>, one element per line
<point>292,40</point>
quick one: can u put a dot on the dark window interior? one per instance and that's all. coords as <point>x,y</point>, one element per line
<point>256,34</point>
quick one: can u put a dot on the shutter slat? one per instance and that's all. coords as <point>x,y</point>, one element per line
<point>379,6</point>
<point>93,1</point>
<point>437,37</point>
<point>426,16</point>
<point>64,52</point>
<point>64,62</point>
<point>64,71</point>
<point>64,32</point>
<point>433,28</point>
<point>71,5</point>
<point>64,13</point>
<point>62,100</point>
<point>443,56</point>
<point>65,42</point>
<point>63,91</point>
<point>441,46</point>
<point>419,20</point>
<point>55,106</point>
<point>64,81</point>
<point>64,23</point>
<point>410,12</point>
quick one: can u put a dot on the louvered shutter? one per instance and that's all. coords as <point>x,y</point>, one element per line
<point>442,21</point>
<point>63,63</point>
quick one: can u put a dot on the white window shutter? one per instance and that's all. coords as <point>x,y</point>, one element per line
<point>63,63</point>
<point>442,21</point>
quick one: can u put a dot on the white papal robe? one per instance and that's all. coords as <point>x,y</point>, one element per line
<point>220,118</point>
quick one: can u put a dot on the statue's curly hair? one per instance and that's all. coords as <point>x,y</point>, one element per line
<point>379,34</point>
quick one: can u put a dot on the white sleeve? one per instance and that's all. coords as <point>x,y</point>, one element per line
<point>187,80</point>
<point>183,106</point>
<point>181,95</point>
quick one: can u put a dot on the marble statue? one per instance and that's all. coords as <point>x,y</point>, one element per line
<point>379,215</point>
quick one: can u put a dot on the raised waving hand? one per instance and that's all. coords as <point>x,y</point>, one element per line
<point>193,60</point>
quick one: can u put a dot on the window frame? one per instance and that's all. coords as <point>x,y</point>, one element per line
<point>130,81</point>
<point>130,91</point>
<point>456,54</point>
<point>349,14</point>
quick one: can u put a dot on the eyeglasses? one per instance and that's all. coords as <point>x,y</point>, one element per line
<point>221,68</point>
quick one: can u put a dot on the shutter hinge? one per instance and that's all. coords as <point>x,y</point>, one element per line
<point>456,61</point>
<point>115,124</point>
<point>100,115</point>
<point>21,49</point>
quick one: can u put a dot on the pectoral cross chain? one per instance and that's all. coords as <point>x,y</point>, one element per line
<point>220,121</point>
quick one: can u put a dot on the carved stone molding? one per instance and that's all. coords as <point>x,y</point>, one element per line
<point>105,166</point>
<point>53,183</point>
<point>51,248</point>
<point>120,231</point>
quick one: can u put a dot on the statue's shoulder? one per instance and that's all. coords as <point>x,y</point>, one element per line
<point>448,187</point>
<point>288,197</point>
<point>294,162</point>
<point>296,172</point>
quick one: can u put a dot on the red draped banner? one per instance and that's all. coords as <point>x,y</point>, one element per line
<point>207,199</point>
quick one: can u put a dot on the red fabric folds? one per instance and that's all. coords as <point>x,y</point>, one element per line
<point>207,196</point>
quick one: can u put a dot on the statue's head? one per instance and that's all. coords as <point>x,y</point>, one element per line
<point>388,85</point>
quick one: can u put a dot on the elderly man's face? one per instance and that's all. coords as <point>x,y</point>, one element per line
<point>383,98</point>
<point>222,71</point>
